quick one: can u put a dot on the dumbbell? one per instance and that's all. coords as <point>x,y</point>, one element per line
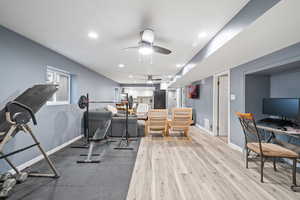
<point>6,187</point>
<point>11,182</point>
<point>21,177</point>
<point>5,176</point>
<point>5,192</point>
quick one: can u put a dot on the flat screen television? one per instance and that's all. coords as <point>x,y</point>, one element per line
<point>284,107</point>
<point>193,91</point>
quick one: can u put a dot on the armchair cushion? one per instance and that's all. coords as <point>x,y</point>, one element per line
<point>272,150</point>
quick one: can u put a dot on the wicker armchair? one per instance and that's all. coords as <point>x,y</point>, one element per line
<point>157,121</point>
<point>181,120</point>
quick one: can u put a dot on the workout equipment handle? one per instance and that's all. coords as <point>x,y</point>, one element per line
<point>24,107</point>
<point>84,101</point>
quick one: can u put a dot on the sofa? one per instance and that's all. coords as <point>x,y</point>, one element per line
<point>98,117</point>
<point>118,126</point>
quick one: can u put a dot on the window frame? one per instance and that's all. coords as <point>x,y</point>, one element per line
<point>116,94</point>
<point>56,72</point>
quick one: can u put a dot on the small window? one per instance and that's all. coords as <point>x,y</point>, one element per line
<point>63,80</point>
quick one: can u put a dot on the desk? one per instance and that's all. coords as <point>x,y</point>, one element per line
<point>275,131</point>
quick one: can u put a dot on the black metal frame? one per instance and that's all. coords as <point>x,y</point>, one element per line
<point>15,127</point>
<point>90,141</point>
<point>17,151</point>
<point>121,145</point>
<point>86,144</point>
<point>249,125</point>
<point>272,138</point>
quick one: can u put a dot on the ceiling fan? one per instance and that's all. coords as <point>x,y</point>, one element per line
<point>146,45</point>
<point>150,79</point>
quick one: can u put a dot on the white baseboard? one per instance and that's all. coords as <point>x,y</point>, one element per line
<point>233,146</point>
<point>41,157</point>
<point>236,147</point>
<point>204,129</point>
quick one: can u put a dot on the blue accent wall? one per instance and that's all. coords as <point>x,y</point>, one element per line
<point>203,106</point>
<point>23,63</point>
<point>257,87</point>
<point>286,84</point>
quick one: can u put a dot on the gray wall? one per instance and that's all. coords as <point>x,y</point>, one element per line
<point>257,87</point>
<point>286,84</point>
<point>237,84</point>
<point>23,64</point>
<point>204,105</point>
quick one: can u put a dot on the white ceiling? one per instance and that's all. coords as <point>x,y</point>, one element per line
<point>63,25</point>
<point>276,29</point>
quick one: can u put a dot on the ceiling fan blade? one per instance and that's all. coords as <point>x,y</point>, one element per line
<point>161,50</point>
<point>143,79</point>
<point>127,36</point>
<point>130,48</point>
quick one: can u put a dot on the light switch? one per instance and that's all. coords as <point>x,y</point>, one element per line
<point>232,97</point>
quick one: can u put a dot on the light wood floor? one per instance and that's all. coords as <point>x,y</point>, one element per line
<point>223,139</point>
<point>202,167</point>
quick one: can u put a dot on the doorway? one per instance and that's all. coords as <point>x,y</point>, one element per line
<point>221,107</point>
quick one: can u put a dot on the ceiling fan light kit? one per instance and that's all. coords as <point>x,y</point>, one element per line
<point>147,35</point>
<point>146,45</point>
<point>146,50</point>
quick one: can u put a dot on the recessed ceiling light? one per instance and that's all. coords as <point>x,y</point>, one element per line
<point>202,35</point>
<point>178,65</point>
<point>93,35</point>
<point>121,65</point>
<point>130,76</point>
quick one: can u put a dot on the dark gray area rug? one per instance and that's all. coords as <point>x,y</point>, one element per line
<point>108,180</point>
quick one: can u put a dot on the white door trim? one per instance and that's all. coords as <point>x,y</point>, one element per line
<point>215,102</point>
